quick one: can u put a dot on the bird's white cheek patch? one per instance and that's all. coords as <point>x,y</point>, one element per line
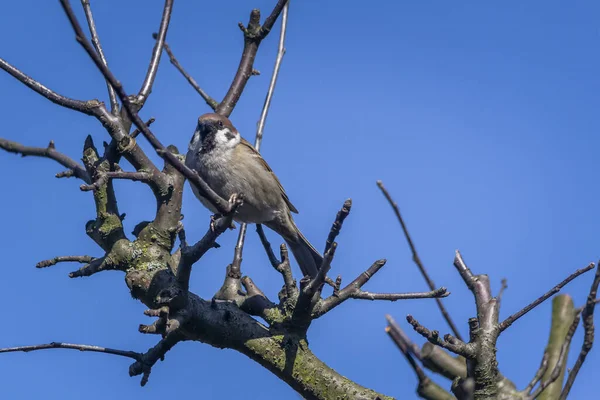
<point>227,138</point>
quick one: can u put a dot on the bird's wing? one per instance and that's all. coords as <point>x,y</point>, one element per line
<point>262,161</point>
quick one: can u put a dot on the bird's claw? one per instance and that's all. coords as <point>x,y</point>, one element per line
<point>213,221</point>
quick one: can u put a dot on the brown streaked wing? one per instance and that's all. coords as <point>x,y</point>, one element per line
<point>244,142</point>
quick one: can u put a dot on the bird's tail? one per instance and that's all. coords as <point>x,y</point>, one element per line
<point>308,258</point>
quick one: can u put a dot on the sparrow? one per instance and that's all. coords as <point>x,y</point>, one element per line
<point>230,165</point>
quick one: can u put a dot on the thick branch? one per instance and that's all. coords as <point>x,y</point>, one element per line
<point>510,320</point>
<point>418,261</point>
<point>47,152</point>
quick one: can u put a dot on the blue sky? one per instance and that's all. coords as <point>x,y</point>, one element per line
<point>481,119</point>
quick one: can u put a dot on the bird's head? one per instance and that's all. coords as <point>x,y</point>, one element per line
<point>214,131</point>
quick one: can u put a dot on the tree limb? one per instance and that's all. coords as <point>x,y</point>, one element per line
<point>156,53</point>
<point>71,346</point>
<point>588,333</point>
<point>212,103</point>
<point>417,259</point>
<point>510,320</point>
<point>47,152</point>
<point>254,33</point>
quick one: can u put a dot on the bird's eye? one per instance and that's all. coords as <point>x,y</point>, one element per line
<point>220,124</point>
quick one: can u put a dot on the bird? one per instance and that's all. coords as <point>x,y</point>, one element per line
<point>230,165</point>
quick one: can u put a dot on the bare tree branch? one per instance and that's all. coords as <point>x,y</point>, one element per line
<point>538,375</point>
<point>449,342</point>
<point>280,53</point>
<point>503,287</point>
<point>337,224</point>
<point>254,33</point>
<point>71,346</point>
<point>283,266</point>
<point>588,338</point>
<point>156,53</point>
<point>212,103</point>
<point>191,254</point>
<point>59,259</point>
<point>47,152</point>
<point>90,107</point>
<point>510,320</point>
<point>560,364</point>
<point>353,291</point>
<point>441,362</point>
<point>138,176</point>
<point>143,365</point>
<point>136,132</point>
<point>114,105</point>
<point>427,389</point>
<point>417,260</point>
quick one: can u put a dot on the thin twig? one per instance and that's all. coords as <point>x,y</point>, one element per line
<point>538,375</point>
<point>71,346</point>
<point>212,103</point>
<point>402,346</point>
<point>353,291</point>
<point>417,260</point>
<point>90,107</point>
<point>156,53</point>
<point>114,105</point>
<point>449,342</point>
<point>143,365</point>
<point>337,224</point>
<point>138,176</point>
<point>59,259</point>
<point>267,246</point>
<point>267,104</point>
<point>398,332</point>
<point>510,320</point>
<point>588,335</point>
<point>136,132</point>
<point>47,152</point>
<point>503,287</point>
